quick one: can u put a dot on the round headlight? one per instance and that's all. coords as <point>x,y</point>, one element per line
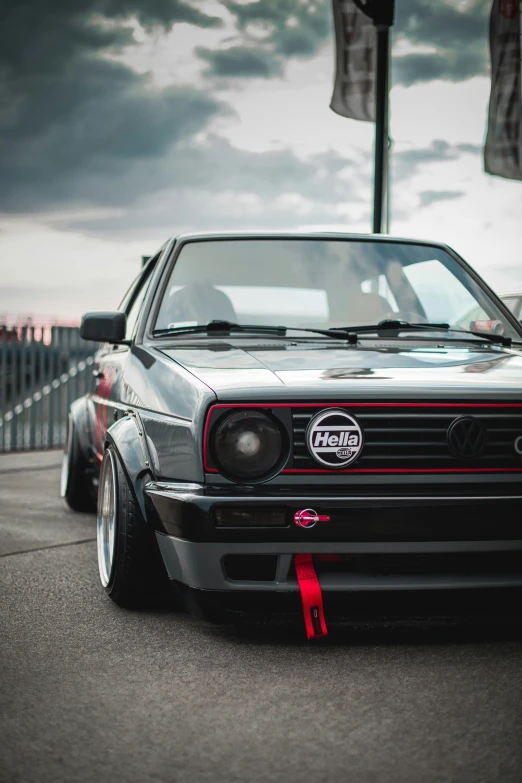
<point>248,445</point>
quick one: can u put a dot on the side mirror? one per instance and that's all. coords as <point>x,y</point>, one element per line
<point>104,327</point>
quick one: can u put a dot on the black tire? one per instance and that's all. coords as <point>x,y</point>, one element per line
<point>76,482</point>
<point>137,577</point>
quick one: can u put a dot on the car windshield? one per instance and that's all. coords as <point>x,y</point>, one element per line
<point>322,283</point>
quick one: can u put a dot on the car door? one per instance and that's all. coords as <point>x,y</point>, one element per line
<point>110,361</point>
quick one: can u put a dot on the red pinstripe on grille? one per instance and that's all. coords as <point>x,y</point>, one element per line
<point>297,471</point>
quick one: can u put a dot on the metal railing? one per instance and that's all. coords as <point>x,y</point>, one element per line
<point>42,370</point>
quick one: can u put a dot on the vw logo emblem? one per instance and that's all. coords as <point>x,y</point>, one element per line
<point>467,437</point>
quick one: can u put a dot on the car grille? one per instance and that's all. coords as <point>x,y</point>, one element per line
<point>414,437</point>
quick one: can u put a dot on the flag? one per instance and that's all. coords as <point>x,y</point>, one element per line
<point>354,87</point>
<point>503,150</point>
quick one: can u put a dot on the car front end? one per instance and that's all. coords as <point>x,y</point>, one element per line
<point>403,505</point>
<point>308,423</point>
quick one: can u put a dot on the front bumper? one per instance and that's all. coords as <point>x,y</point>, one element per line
<point>383,543</point>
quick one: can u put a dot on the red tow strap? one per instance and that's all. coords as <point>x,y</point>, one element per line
<point>311,597</point>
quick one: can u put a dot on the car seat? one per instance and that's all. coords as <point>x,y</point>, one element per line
<point>365,308</point>
<point>200,302</point>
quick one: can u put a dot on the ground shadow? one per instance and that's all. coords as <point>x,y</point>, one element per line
<point>290,632</point>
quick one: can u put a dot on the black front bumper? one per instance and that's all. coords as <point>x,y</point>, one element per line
<point>465,605</point>
<point>396,543</point>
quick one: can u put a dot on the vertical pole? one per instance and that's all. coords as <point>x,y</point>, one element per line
<point>60,391</point>
<point>52,365</point>
<point>23,383</point>
<point>14,387</point>
<point>69,384</point>
<point>3,382</point>
<point>381,125</point>
<point>41,382</point>
<point>388,187</point>
<point>32,389</point>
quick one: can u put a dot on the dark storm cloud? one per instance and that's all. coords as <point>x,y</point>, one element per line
<point>79,129</point>
<point>298,28</point>
<point>444,23</point>
<point>219,164</point>
<point>68,112</point>
<point>225,185</point>
<point>40,37</point>
<point>91,121</point>
<point>406,163</point>
<point>451,66</point>
<point>429,197</point>
<point>240,61</point>
<point>152,12</point>
<point>217,167</point>
<point>285,29</point>
<point>294,28</point>
<point>459,38</point>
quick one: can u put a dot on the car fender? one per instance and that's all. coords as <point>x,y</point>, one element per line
<point>80,414</point>
<point>127,438</point>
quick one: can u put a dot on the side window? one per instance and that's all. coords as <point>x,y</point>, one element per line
<point>135,308</point>
<point>135,300</point>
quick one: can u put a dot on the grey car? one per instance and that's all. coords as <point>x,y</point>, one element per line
<point>293,423</point>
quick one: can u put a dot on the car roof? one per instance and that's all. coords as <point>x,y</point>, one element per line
<point>208,235</point>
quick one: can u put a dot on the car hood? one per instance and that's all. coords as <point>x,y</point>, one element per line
<point>311,370</point>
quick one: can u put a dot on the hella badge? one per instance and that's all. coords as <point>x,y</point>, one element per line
<point>334,438</point>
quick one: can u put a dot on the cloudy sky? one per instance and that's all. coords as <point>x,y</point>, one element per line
<point>126,121</point>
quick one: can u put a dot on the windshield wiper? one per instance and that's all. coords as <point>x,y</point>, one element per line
<point>389,327</point>
<point>226,327</point>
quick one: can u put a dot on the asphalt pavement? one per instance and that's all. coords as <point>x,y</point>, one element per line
<point>90,692</point>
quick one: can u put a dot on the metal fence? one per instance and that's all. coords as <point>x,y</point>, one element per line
<point>42,370</point>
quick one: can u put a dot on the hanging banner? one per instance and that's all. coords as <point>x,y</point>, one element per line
<point>503,150</point>
<point>355,38</point>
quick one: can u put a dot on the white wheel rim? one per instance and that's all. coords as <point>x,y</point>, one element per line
<point>66,462</point>
<point>106,519</point>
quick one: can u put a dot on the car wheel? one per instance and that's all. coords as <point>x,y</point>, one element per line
<point>130,565</point>
<point>76,484</point>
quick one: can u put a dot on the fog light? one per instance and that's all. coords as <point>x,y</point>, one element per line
<point>231,517</point>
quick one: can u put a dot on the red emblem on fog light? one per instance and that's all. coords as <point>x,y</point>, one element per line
<point>309,518</point>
